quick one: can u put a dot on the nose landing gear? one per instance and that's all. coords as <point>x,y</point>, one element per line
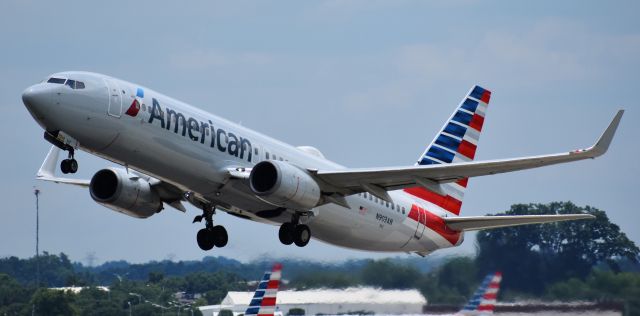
<point>69,165</point>
<point>294,232</point>
<point>210,236</point>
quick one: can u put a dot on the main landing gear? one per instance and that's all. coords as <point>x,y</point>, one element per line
<point>69,165</point>
<point>210,235</point>
<point>294,232</point>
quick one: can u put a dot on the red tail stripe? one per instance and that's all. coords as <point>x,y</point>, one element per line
<point>467,149</point>
<point>476,122</point>
<point>463,182</point>
<point>273,284</point>
<point>435,223</point>
<point>486,96</point>
<point>490,296</point>
<point>488,307</point>
<point>448,202</point>
<point>268,301</point>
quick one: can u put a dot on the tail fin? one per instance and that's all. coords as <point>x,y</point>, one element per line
<point>484,299</point>
<point>456,142</point>
<point>264,299</point>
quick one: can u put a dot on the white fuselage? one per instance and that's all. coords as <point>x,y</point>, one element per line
<point>194,154</point>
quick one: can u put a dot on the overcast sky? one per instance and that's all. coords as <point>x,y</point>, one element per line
<point>369,83</point>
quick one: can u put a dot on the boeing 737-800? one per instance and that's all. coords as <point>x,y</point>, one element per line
<point>173,152</point>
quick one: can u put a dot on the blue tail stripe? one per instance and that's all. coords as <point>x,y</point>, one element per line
<point>440,154</point>
<point>262,285</point>
<point>462,117</point>
<point>455,130</point>
<point>477,92</point>
<point>255,302</point>
<point>448,142</point>
<point>427,161</point>
<point>470,105</point>
<point>259,294</point>
<point>252,311</point>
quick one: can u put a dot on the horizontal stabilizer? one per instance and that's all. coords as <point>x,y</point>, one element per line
<point>486,222</point>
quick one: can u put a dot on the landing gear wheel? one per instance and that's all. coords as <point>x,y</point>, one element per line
<point>65,166</point>
<point>205,239</point>
<point>220,236</point>
<point>302,235</point>
<point>286,233</point>
<point>73,165</point>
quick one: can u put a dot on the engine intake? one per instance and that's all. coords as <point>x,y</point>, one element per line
<point>125,193</point>
<point>282,184</point>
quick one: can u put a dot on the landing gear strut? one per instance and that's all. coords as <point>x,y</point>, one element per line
<point>294,232</point>
<point>210,235</point>
<point>69,165</point>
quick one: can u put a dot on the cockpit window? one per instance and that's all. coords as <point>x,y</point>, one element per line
<point>73,84</point>
<point>56,80</point>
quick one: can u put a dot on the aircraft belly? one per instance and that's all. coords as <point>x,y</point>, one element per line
<point>353,228</point>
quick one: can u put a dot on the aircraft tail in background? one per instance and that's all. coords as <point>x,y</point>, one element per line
<point>484,299</point>
<point>263,302</point>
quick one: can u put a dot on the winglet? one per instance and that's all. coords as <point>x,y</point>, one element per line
<point>604,141</point>
<point>48,168</point>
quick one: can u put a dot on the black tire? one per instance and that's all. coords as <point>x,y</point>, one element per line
<point>286,233</point>
<point>64,166</point>
<point>302,235</point>
<point>220,236</point>
<point>73,165</point>
<point>205,239</point>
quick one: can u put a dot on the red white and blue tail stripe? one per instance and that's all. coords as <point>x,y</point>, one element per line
<point>456,142</point>
<point>483,301</point>
<point>264,299</point>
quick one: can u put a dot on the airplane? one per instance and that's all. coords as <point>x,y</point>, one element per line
<point>483,300</point>
<point>263,302</point>
<point>171,152</point>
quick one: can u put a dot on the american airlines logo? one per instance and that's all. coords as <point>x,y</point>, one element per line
<point>198,131</point>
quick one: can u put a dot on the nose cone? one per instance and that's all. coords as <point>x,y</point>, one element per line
<point>35,96</point>
<point>38,99</point>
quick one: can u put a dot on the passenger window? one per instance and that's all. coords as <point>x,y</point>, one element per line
<point>267,155</point>
<point>280,158</point>
<point>255,151</point>
<point>56,80</point>
<point>387,203</point>
<point>403,210</point>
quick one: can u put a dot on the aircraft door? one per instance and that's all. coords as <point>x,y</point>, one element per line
<point>115,98</point>
<point>422,223</point>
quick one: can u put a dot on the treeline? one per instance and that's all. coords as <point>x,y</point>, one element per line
<point>578,260</point>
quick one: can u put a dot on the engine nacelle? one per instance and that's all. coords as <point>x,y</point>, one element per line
<point>284,185</point>
<point>125,193</point>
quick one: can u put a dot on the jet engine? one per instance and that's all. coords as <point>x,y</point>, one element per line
<point>284,185</point>
<point>124,192</point>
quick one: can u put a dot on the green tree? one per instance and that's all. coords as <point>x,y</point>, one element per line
<point>534,256</point>
<point>453,283</point>
<point>389,275</point>
<point>53,302</point>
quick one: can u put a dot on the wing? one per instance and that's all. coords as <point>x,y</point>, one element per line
<point>486,222</point>
<point>378,180</point>
<point>169,193</point>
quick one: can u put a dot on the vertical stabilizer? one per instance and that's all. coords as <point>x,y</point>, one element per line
<point>457,141</point>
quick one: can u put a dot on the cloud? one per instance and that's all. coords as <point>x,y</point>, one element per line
<point>209,59</point>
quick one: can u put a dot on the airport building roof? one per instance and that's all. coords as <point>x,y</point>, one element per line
<point>335,296</point>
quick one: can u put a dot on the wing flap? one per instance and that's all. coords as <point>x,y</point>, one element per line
<point>468,223</point>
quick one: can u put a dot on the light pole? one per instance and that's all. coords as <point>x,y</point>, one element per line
<point>37,193</point>
<point>129,308</point>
